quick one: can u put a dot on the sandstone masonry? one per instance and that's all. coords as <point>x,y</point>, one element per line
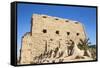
<point>50,35</point>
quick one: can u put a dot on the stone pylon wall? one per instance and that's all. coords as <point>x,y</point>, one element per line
<point>48,33</point>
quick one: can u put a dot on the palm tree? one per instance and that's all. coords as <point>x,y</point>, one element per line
<point>84,45</point>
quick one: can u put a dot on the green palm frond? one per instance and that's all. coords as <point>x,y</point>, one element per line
<point>84,44</point>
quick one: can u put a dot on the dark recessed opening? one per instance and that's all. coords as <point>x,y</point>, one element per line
<point>44,17</point>
<point>56,19</point>
<point>77,34</point>
<point>76,22</point>
<point>70,40</point>
<point>51,39</point>
<point>68,33</point>
<point>66,21</point>
<point>44,31</point>
<point>57,32</point>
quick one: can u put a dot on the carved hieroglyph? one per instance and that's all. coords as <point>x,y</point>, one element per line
<point>47,42</point>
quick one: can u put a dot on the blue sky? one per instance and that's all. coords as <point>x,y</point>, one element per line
<point>85,15</point>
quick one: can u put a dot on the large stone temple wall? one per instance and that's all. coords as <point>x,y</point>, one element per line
<point>47,34</point>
